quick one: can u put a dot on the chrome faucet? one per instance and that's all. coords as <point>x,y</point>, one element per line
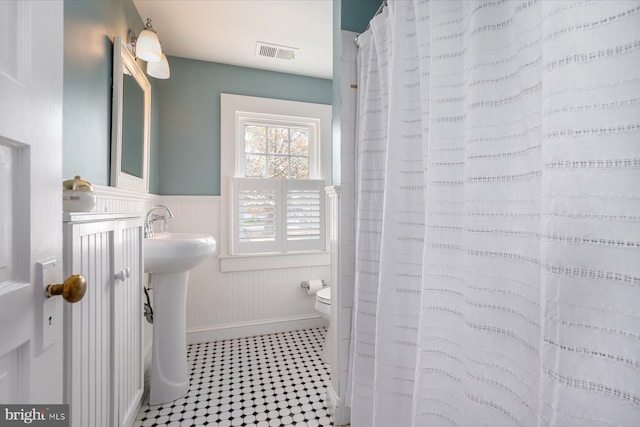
<point>153,217</point>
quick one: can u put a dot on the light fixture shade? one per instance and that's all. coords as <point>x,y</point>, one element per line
<point>159,70</point>
<point>148,46</point>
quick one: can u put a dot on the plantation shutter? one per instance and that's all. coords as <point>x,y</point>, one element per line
<point>304,215</point>
<point>256,215</point>
<point>278,215</point>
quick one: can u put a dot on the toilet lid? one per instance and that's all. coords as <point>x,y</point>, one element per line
<point>324,295</point>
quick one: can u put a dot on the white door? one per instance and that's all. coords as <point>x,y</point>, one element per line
<point>31,58</point>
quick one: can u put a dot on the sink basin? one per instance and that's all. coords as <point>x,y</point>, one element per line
<point>176,252</point>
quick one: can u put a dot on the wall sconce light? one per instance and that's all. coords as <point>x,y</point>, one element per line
<point>160,69</point>
<point>146,46</point>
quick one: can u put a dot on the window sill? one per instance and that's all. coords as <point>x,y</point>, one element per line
<point>231,263</point>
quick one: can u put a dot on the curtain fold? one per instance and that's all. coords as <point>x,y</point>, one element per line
<point>498,215</point>
<point>371,130</point>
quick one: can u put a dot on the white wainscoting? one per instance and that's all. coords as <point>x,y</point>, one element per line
<point>239,303</point>
<point>110,199</point>
<point>231,304</point>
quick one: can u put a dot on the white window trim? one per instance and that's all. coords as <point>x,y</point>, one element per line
<point>231,263</point>
<point>230,104</point>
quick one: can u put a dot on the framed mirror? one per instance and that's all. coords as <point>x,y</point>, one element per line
<point>130,121</point>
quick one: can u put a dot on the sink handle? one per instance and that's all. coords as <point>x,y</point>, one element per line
<point>123,275</point>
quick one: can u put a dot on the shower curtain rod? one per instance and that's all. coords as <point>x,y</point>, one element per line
<point>378,12</point>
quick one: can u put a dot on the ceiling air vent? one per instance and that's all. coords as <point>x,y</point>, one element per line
<point>271,50</point>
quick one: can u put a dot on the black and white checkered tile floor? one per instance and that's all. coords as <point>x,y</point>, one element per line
<point>266,381</point>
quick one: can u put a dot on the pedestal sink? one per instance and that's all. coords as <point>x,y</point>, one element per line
<point>168,257</point>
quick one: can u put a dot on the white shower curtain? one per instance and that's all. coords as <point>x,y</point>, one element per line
<point>498,220</point>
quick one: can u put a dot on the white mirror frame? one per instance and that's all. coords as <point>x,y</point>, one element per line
<point>121,58</point>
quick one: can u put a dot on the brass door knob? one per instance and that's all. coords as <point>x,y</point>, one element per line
<point>72,290</point>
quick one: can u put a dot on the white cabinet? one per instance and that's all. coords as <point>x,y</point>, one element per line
<point>103,332</point>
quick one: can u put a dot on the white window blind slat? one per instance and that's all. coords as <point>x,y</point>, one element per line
<point>303,214</point>
<point>256,215</point>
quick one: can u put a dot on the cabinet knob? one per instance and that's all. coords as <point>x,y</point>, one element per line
<point>72,290</point>
<point>123,274</point>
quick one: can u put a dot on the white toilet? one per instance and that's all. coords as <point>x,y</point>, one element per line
<point>323,306</point>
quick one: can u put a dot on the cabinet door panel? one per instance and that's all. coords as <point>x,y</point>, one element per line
<point>103,332</point>
<point>127,319</point>
<point>88,384</point>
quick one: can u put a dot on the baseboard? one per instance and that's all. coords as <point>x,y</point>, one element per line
<point>146,380</point>
<point>335,406</point>
<point>130,418</point>
<point>251,329</point>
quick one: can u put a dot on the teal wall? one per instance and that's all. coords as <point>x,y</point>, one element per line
<point>356,14</point>
<point>189,114</point>
<point>185,114</point>
<point>89,27</point>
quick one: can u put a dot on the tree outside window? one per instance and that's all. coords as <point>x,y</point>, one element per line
<point>276,152</point>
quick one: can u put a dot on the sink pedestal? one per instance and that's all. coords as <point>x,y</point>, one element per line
<point>169,371</point>
<point>168,257</point>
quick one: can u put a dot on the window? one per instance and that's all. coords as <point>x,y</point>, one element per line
<point>278,200</point>
<point>270,146</point>
<point>275,162</point>
<point>273,151</point>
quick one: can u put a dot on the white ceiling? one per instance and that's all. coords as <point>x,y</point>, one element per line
<point>226,31</point>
